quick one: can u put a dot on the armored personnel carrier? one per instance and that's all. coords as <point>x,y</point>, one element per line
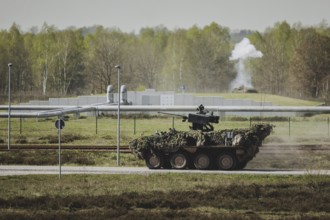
<point>201,147</point>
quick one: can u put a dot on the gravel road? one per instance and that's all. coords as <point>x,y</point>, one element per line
<point>28,170</point>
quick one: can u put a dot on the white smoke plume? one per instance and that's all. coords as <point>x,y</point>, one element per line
<point>242,51</point>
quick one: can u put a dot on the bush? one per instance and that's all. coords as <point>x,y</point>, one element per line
<point>273,118</point>
<point>237,118</point>
<point>21,140</point>
<point>65,138</point>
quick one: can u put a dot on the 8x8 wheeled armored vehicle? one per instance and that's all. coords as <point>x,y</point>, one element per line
<point>201,147</point>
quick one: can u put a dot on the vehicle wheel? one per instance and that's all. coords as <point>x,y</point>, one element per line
<point>154,161</point>
<point>179,160</point>
<point>202,161</point>
<point>226,161</point>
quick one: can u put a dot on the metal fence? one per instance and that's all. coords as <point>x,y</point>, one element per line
<point>103,130</point>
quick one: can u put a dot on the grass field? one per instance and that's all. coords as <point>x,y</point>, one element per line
<point>262,97</point>
<point>300,130</point>
<point>103,131</point>
<point>279,159</point>
<point>165,196</point>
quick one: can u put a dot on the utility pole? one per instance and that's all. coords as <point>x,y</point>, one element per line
<point>118,117</point>
<point>9,102</point>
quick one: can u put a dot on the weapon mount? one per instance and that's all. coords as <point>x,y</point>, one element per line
<point>200,121</point>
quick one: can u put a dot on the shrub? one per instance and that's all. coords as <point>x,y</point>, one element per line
<point>65,138</point>
<point>21,140</point>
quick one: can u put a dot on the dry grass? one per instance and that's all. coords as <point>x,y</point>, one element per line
<point>304,130</point>
<point>262,97</point>
<point>165,196</point>
<point>68,157</point>
<point>179,196</point>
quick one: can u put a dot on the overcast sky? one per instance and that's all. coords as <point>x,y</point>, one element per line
<point>131,15</point>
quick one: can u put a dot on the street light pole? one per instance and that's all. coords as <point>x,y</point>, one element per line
<point>118,117</point>
<point>9,103</point>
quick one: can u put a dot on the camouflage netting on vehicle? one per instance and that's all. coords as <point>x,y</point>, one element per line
<point>172,140</point>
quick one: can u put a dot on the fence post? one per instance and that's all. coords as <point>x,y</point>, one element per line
<point>96,114</point>
<point>289,126</point>
<point>20,125</point>
<point>134,124</point>
<point>173,123</point>
<point>328,127</point>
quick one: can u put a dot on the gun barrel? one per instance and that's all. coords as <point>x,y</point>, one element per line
<point>177,115</point>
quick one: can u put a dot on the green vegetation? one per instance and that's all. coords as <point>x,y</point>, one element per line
<point>76,61</point>
<point>274,99</point>
<point>165,196</point>
<point>303,130</point>
<point>277,158</point>
<point>68,157</point>
<point>69,62</point>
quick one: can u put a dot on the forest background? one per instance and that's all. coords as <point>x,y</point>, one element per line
<point>49,62</point>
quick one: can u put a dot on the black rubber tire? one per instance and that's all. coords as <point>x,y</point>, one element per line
<point>202,161</point>
<point>179,160</point>
<point>154,161</point>
<point>226,161</point>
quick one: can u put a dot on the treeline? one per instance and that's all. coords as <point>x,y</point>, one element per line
<point>296,61</point>
<point>52,62</point>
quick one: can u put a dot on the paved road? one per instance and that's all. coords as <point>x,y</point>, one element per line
<point>27,170</point>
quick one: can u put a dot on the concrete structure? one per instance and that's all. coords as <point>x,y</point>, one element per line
<point>151,97</point>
